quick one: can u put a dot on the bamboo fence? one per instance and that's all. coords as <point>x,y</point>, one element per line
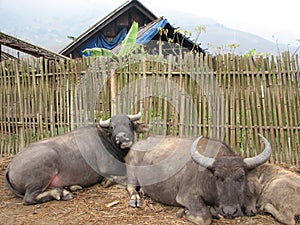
<point>229,97</point>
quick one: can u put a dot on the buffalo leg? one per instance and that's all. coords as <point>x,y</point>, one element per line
<point>135,199</point>
<point>132,184</point>
<point>48,195</point>
<point>197,212</point>
<point>286,217</point>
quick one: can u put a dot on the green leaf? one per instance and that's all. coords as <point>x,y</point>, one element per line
<point>127,46</point>
<point>99,52</point>
<point>129,43</point>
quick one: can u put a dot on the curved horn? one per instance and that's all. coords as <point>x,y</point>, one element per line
<point>104,123</point>
<point>202,160</point>
<point>262,157</point>
<point>135,117</point>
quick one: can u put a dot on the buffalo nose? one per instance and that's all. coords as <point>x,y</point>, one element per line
<point>230,212</point>
<point>251,212</point>
<point>120,137</point>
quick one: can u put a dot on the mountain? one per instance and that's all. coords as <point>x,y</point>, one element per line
<point>50,31</point>
<point>49,25</point>
<point>218,35</point>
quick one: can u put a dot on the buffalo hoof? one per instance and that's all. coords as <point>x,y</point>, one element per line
<point>194,219</point>
<point>180,213</point>
<point>107,183</point>
<point>75,188</point>
<point>135,203</point>
<point>66,195</point>
<point>135,200</point>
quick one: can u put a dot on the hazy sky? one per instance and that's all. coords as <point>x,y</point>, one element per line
<point>267,18</point>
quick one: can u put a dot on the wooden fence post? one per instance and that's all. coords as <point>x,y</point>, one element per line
<point>113,109</point>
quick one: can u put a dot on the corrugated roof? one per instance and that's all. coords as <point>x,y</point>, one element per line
<point>148,29</point>
<point>23,46</point>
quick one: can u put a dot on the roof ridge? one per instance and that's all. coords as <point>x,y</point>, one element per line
<point>102,22</point>
<point>28,48</point>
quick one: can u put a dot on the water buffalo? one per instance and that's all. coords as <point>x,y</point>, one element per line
<point>81,158</point>
<point>196,174</point>
<point>280,194</point>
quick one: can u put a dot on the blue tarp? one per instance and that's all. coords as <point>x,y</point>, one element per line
<point>150,33</point>
<point>100,41</point>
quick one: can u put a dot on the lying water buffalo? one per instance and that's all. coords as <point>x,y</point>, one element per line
<point>81,158</point>
<point>280,194</point>
<point>196,174</point>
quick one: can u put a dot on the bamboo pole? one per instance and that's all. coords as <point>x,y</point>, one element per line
<point>242,99</point>
<point>3,110</point>
<point>113,91</point>
<point>19,99</point>
<point>255,106</point>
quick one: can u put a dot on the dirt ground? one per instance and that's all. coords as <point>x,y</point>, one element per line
<point>91,206</point>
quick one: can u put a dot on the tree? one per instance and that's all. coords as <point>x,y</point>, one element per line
<point>128,45</point>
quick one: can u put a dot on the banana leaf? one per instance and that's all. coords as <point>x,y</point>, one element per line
<point>99,52</point>
<point>127,46</point>
<point>129,43</point>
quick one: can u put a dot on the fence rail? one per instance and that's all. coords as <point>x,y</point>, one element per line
<point>228,97</point>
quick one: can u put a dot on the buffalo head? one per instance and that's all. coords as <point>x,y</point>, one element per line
<point>230,176</point>
<point>121,129</point>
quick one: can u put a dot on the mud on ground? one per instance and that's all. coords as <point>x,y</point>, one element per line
<point>98,205</point>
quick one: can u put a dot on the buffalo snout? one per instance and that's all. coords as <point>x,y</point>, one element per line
<point>230,211</point>
<point>251,212</point>
<point>122,137</point>
<point>124,140</point>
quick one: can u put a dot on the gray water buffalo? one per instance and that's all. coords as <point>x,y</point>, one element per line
<point>196,174</point>
<point>80,158</point>
<point>280,195</point>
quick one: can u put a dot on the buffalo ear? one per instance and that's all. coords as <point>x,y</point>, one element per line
<point>141,127</point>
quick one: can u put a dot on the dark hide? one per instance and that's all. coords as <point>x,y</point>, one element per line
<point>165,170</point>
<point>80,158</point>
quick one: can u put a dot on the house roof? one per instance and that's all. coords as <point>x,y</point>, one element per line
<point>105,21</point>
<point>150,32</point>
<point>7,56</point>
<point>23,46</point>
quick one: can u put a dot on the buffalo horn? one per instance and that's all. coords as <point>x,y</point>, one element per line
<point>202,160</point>
<point>135,117</point>
<point>104,123</point>
<point>262,157</point>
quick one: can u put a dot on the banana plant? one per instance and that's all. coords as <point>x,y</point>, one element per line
<point>128,45</point>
